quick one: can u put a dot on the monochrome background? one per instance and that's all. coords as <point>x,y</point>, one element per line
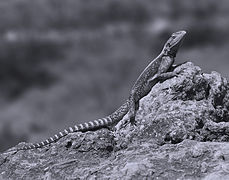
<point>68,62</point>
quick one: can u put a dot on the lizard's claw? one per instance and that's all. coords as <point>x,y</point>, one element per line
<point>132,121</point>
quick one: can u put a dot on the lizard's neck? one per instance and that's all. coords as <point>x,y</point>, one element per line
<point>168,52</point>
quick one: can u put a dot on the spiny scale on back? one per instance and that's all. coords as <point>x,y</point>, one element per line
<point>139,90</point>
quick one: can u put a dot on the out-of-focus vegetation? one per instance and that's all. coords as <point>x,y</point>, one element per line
<point>66,62</point>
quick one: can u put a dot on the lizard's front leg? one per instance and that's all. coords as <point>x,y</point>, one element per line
<point>167,75</point>
<point>162,73</point>
<point>174,66</point>
<point>162,76</point>
<point>170,74</point>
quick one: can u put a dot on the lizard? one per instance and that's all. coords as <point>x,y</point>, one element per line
<point>156,70</point>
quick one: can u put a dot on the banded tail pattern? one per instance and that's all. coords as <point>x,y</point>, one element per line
<point>88,126</point>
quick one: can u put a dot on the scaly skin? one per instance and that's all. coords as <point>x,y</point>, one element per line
<point>153,73</point>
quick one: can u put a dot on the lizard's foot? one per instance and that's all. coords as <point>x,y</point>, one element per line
<point>121,125</point>
<point>179,71</point>
<point>124,123</point>
<point>132,121</point>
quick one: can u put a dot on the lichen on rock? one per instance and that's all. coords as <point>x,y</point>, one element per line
<point>182,132</point>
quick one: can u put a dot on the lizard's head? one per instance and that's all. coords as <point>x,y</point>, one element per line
<point>172,45</point>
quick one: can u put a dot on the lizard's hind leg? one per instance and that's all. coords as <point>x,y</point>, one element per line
<point>137,106</point>
<point>134,106</point>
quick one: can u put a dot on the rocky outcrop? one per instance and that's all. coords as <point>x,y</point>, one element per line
<point>182,132</point>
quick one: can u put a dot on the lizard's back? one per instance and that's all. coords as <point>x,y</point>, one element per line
<point>141,86</point>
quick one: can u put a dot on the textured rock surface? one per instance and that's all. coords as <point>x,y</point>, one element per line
<point>182,132</point>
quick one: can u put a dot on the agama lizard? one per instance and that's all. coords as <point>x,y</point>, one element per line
<point>153,73</point>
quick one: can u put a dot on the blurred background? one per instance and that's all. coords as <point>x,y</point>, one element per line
<point>68,62</point>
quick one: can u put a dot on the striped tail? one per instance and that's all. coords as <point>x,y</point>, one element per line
<point>92,125</point>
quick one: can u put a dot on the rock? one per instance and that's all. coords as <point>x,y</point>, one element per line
<point>182,132</point>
